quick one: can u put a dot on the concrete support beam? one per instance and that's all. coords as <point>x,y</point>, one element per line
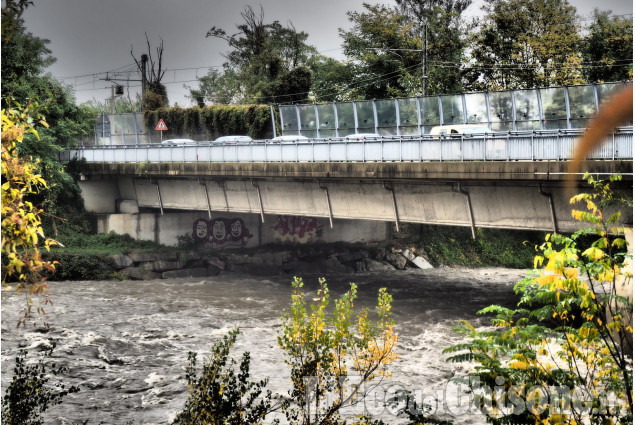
<point>502,205</point>
<point>501,194</point>
<point>418,171</point>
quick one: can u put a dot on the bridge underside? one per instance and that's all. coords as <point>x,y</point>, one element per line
<point>533,196</point>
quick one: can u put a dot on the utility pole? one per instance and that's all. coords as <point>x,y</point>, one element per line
<point>424,51</point>
<point>144,61</point>
<point>118,89</point>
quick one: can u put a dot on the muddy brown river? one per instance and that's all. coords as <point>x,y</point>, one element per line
<point>125,344</point>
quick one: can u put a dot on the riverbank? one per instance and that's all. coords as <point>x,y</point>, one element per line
<point>117,257</point>
<point>268,261</point>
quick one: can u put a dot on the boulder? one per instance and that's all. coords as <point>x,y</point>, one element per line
<point>350,257</point>
<point>422,263</point>
<point>379,254</point>
<point>377,266</point>
<point>361,266</point>
<point>149,266</point>
<point>213,270</point>
<point>244,259</point>
<point>398,261</point>
<point>332,265</point>
<point>121,261</point>
<point>409,255</point>
<point>138,273</point>
<point>217,262</point>
<point>163,265</point>
<point>189,256</point>
<point>277,258</point>
<point>144,257</point>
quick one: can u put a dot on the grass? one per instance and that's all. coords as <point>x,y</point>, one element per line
<point>454,246</point>
<point>106,244</point>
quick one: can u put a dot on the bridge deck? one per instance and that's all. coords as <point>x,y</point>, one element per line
<point>499,170</point>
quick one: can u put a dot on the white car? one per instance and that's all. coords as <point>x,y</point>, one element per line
<point>179,142</point>
<point>458,129</point>
<point>362,137</point>
<point>233,139</point>
<point>290,138</point>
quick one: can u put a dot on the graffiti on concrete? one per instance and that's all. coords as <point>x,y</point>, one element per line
<point>297,229</point>
<point>221,232</point>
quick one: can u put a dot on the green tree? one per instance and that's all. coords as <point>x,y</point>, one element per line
<point>262,60</point>
<point>11,15</point>
<point>21,223</point>
<point>331,79</point>
<point>608,48</point>
<point>24,60</point>
<point>523,44</point>
<point>217,88</point>
<point>22,231</point>
<point>565,354</point>
<point>333,354</point>
<point>382,50</point>
<point>123,105</point>
<point>446,31</point>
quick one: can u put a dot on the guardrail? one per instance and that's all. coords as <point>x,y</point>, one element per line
<point>505,146</point>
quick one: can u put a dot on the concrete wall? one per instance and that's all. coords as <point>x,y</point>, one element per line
<point>100,196</point>
<point>230,230</point>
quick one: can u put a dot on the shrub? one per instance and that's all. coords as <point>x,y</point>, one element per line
<point>220,395</point>
<point>30,394</point>
<point>218,120</point>
<point>324,349</point>
<point>454,245</point>
<point>81,267</point>
<point>565,354</point>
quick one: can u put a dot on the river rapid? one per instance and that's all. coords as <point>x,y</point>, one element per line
<point>125,344</point>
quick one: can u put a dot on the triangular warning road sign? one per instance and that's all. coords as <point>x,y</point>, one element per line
<point>161,126</point>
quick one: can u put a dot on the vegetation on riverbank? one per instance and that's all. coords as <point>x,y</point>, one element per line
<point>564,355</point>
<point>89,256</point>
<point>454,246</point>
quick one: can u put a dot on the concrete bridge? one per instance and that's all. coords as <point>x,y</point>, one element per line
<point>162,200</point>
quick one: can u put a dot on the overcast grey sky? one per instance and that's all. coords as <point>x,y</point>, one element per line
<point>90,37</point>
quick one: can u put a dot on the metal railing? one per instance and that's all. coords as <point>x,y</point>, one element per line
<point>502,146</point>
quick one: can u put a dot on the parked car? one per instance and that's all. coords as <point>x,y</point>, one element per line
<point>179,142</point>
<point>362,137</point>
<point>233,139</point>
<point>460,129</point>
<point>290,138</point>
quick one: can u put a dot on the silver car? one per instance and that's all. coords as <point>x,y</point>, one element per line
<point>233,139</point>
<point>173,142</point>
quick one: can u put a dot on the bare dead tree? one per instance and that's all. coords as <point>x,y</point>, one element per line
<point>154,94</point>
<point>154,72</point>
